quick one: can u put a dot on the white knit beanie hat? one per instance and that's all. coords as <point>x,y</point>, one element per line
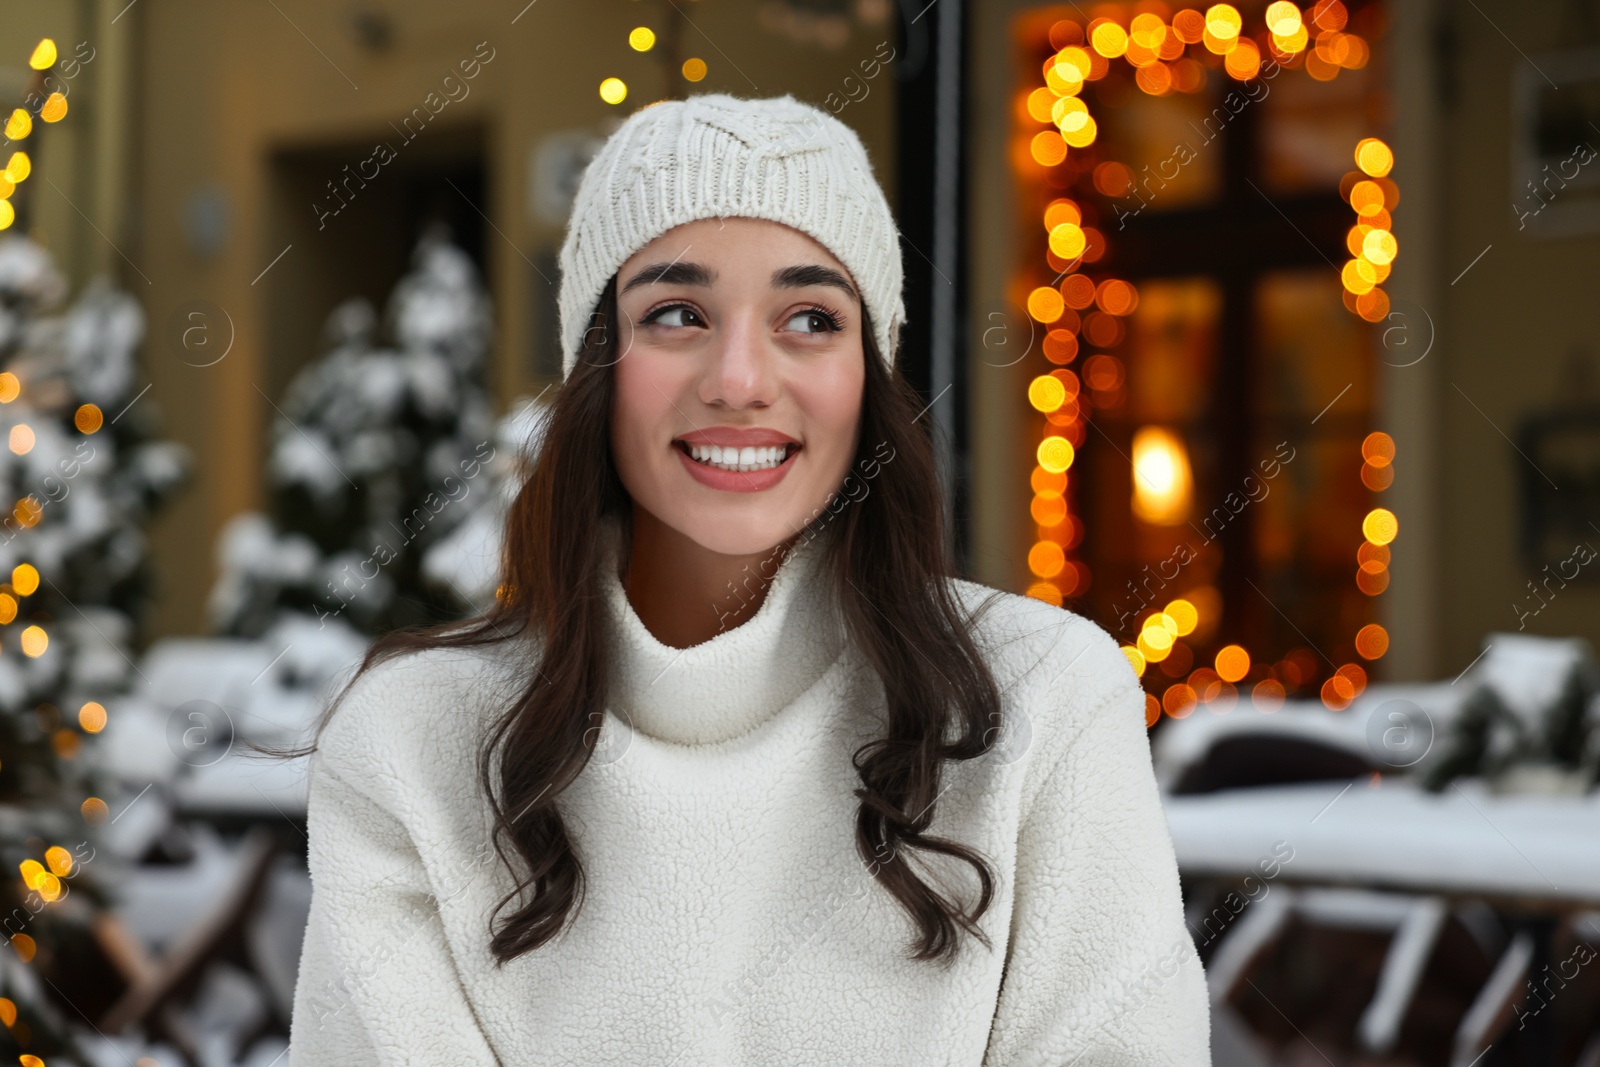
<point>718,156</point>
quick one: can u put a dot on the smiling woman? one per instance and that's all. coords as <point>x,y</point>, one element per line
<point>765,781</point>
<point>738,398</point>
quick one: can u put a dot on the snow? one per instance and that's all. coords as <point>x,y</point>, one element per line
<point>244,783</point>
<point>276,930</point>
<point>1379,1027</point>
<point>467,560</point>
<point>1260,925</point>
<point>179,669</point>
<point>367,440</point>
<point>1364,729</point>
<point>133,748</point>
<point>1517,715</point>
<point>102,331</point>
<point>1463,840</point>
<point>1528,671</point>
<point>138,819</point>
<point>1483,1018</point>
<point>159,903</point>
<point>227,1005</point>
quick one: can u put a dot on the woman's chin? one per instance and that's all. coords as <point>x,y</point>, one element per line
<point>739,535</point>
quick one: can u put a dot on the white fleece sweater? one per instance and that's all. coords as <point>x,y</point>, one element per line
<point>729,919</point>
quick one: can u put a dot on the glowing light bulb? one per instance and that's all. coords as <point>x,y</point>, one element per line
<point>34,642</point>
<point>18,167</point>
<point>1283,18</point>
<point>44,55</point>
<point>25,578</point>
<point>1380,526</point>
<point>1162,482</point>
<point>1055,454</point>
<point>1233,663</point>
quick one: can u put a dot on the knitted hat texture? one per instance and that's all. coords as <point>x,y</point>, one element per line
<point>717,156</point>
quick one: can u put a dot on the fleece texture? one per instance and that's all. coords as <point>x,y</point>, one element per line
<point>714,155</point>
<point>729,919</point>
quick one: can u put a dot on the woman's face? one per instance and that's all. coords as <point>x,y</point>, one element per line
<point>739,377</point>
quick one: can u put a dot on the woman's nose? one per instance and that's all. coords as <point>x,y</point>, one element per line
<point>740,364</point>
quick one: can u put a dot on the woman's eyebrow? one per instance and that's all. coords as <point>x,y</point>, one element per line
<point>681,273</point>
<point>812,274</point>
<point>674,273</point>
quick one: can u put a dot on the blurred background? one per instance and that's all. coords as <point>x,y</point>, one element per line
<point>1264,335</point>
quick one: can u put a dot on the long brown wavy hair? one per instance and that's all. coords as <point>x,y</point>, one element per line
<point>888,553</point>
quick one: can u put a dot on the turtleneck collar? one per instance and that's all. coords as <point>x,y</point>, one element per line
<point>739,678</point>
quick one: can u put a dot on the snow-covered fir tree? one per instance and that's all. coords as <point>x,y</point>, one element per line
<point>379,447</point>
<point>467,561</point>
<point>79,476</point>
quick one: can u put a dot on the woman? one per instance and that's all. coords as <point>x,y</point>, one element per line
<point>733,773</point>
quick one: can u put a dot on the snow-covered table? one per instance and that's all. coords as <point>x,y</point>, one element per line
<point>1529,850</point>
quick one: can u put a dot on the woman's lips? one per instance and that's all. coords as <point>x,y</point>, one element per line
<point>752,481</point>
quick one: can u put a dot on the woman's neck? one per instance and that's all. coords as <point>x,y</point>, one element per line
<point>683,592</point>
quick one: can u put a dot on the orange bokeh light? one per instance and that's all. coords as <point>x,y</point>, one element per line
<point>1048,148</point>
<point>1116,296</point>
<point>1078,291</point>
<point>1046,559</point>
<point>1268,694</point>
<point>1377,478</point>
<point>1045,304</point>
<point>1233,663</point>
<point>1050,509</point>
<point>1178,701</point>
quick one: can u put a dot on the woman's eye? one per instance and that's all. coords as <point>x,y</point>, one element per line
<point>816,322</point>
<point>665,316</point>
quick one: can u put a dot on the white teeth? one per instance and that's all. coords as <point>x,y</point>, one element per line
<point>739,459</point>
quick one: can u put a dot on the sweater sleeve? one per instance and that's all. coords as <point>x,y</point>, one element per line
<point>1100,969</point>
<point>377,985</point>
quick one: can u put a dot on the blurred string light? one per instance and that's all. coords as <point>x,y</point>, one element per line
<point>44,55</point>
<point>18,126</point>
<point>1076,310</point>
<point>644,39</point>
<point>1163,487</point>
<point>43,878</point>
<point>1371,241</point>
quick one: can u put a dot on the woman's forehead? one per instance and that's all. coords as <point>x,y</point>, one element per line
<point>711,240</point>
